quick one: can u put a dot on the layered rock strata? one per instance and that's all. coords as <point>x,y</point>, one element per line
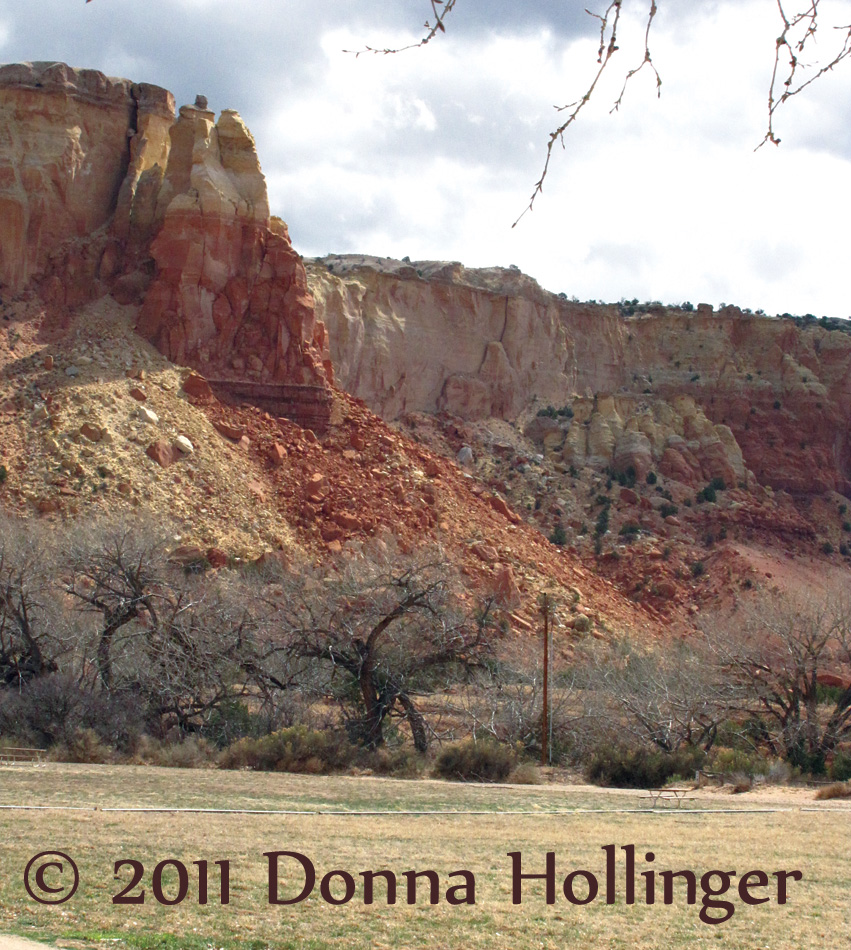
<point>694,393</point>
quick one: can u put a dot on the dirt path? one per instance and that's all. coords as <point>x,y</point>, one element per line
<point>20,943</point>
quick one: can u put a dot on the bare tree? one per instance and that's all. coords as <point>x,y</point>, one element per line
<point>778,651</point>
<point>117,572</point>
<point>670,695</point>
<point>30,643</point>
<point>192,664</point>
<point>391,630</point>
<point>505,701</point>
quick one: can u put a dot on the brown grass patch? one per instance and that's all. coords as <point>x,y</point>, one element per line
<point>835,790</point>
<point>816,915</point>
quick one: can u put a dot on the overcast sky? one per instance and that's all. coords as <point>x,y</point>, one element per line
<point>433,153</point>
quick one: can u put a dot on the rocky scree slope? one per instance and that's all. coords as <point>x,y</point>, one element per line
<point>569,409</point>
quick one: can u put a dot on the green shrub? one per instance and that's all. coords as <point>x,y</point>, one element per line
<point>640,767</point>
<point>827,548</point>
<point>667,509</point>
<point>297,749</point>
<point>229,721</point>
<point>475,761</point>
<point>738,762</point>
<point>840,769</point>
<point>626,479</point>
<point>651,478</point>
<point>404,762</point>
<point>698,569</point>
<point>4,474</point>
<point>558,536</point>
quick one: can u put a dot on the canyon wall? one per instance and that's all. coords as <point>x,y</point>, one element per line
<point>694,394</point>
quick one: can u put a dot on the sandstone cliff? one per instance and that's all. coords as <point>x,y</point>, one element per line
<point>695,395</point>
<point>101,190</point>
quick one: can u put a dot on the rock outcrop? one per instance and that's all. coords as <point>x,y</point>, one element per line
<point>429,337</point>
<point>101,190</point>
<point>65,146</point>
<point>230,295</point>
<point>674,438</point>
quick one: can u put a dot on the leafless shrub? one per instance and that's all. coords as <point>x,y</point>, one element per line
<point>775,652</point>
<point>834,790</point>
<point>31,631</point>
<point>668,695</point>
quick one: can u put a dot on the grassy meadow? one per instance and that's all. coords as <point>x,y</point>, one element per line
<point>728,833</point>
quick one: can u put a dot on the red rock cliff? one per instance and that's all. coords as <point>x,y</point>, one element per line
<point>101,190</point>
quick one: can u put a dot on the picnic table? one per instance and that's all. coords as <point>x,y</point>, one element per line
<point>668,794</point>
<point>11,754</point>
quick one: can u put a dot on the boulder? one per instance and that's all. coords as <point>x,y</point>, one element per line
<point>197,387</point>
<point>164,453</point>
<point>91,432</point>
<point>278,455</point>
<point>632,451</point>
<point>232,432</point>
<point>505,588</point>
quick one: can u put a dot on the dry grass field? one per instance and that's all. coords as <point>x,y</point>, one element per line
<point>767,831</point>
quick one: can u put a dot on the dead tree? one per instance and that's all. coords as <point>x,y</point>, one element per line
<point>670,695</point>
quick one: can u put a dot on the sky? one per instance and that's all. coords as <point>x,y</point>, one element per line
<point>433,153</point>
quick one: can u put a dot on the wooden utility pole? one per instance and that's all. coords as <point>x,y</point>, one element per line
<point>545,725</point>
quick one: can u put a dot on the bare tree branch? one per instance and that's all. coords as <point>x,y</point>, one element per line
<point>440,10</point>
<point>799,32</point>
